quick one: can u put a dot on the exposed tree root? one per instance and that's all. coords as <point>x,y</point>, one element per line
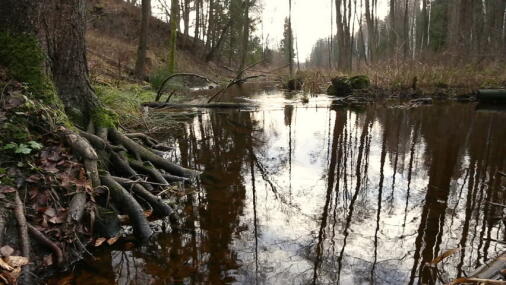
<point>127,203</point>
<point>148,155</point>
<point>139,171</point>
<point>149,170</point>
<point>58,254</point>
<point>2,224</point>
<point>19,212</point>
<point>160,208</point>
<point>77,208</point>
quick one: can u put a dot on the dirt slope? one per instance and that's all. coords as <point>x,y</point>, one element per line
<point>112,38</point>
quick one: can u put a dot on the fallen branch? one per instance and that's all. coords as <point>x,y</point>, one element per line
<point>218,105</point>
<point>465,280</point>
<point>159,92</point>
<point>236,81</point>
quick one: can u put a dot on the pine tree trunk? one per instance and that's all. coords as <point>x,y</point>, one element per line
<point>186,19</point>
<point>174,11</point>
<point>245,36</point>
<point>197,22</point>
<point>290,40</point>
<point>65,25</point>
<point>210,24</point>
<point>140,64</point>
<point>392,38</point>
<point>406,29</point>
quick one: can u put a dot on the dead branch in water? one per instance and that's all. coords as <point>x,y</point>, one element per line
<point>160,90</point>
<point>216,105</point>
<point>236,81</point>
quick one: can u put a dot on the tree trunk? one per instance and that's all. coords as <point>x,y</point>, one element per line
<point>186,19</point>
<point>406,29</point>
<point>245,36</point>
<point>290,40</point>
<point>210,23</point>
<point>65,25</point>
<point>370,29</point>
<point>392,37</point>
<point>211,54</point>
<point>197,23</point>
<point>423,32</point>
<point>140,64</point>
<point>174,11</point>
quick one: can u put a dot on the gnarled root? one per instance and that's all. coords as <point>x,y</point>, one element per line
<point>148,155</point>
<point>139,173</point>
<point>160,208</point>
<point>122,198</point>
<point>58,254</point>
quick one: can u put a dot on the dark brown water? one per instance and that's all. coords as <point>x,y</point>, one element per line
<point>302,194</point>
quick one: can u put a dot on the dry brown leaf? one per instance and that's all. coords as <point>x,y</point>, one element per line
<point>3,279</point>
<point>444,255</point>
<point>50,212</point>
<point>124,219</point>
<point>17,261</point>
<point>48,260</point>
<point>148,213</point>
<point>112,240</point>
<point>7,189</point>
<point>476,280</point>
<point>5,266</point>
<point>99,241</point>
<point>57,220</point>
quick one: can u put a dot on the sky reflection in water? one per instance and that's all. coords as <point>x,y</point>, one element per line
<point>301,194</point>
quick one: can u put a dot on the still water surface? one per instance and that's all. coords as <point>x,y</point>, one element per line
<point>296,193</point>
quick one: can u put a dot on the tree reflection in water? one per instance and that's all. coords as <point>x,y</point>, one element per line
<point>299,194</point>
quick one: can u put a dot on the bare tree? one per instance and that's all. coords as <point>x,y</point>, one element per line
<point>140,64</point>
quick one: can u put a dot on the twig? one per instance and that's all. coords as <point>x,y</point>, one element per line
<point>170,96</point>
<point>497,204</point>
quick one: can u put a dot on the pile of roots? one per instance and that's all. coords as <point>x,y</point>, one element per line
<point>61,188</point>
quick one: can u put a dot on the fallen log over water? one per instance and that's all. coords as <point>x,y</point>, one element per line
<point>491,95</point>
<point>216,105</point>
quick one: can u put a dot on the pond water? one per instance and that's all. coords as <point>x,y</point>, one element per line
<point>312,193</point>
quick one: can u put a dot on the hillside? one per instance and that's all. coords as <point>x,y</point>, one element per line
<point>112,39</point>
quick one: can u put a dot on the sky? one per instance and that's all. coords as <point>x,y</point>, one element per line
<point>311,20</point>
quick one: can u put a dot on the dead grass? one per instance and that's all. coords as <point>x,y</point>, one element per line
<point>437,74</point>
<point>429,75</point>
<point>112,39</point>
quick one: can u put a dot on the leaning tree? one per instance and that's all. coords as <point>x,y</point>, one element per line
<point>112,159</point>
